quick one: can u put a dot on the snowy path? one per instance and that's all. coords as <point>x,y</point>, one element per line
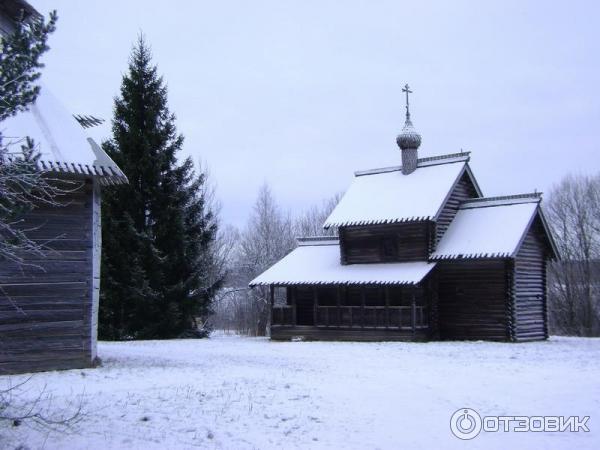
<point>237,393</point>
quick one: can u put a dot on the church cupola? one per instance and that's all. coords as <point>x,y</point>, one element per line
<point>408,141</point>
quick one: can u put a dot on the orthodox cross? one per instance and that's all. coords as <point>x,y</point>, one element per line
<point>408,91</point>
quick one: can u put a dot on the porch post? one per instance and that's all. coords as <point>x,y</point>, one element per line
<point>339,304</point>
<point>315,305</point>
<point>414,313</point>
<point>387,306</point>
<point>271,301</point>
<point>362,306</point>
<point>293,301</point>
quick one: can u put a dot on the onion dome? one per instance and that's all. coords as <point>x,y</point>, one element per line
<point>408,138</point>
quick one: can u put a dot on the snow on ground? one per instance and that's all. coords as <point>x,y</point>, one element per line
<point>237,393</point>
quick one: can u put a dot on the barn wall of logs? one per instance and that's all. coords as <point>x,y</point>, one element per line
<point>48,308</point>
<point>529,289</point>
<point>474,299</point>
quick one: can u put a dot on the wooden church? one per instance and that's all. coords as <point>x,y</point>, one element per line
<point>421,255</point>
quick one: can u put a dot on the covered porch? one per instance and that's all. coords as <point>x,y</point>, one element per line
<point>356,312</point>
<point>314,296</point>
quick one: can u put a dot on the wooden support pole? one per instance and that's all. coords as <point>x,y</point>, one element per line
<point>414,314</point>
<point>293,300</point>
<point>338,301</point>
<point>401,308</point>
<point>272,300</point>
<point>315,305</point>
<point>362,306</point>
<point>387,306</point>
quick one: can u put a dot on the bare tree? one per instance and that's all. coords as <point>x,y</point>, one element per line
<point>220,250</point>
<point>269,235</point>
<point>574,283</point>
<point>310,223</point>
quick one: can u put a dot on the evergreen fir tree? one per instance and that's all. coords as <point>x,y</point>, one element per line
<point>20,63</point>
<point>21,182</point>
<point>157,229</point>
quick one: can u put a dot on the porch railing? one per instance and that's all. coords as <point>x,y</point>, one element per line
<point>283,315</point>
<point>394,317</point>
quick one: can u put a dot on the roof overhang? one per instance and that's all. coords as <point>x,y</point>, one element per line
<point>493,227</point>
<point>320,265</point>
<point>385,196</point>
<point>61,142</point>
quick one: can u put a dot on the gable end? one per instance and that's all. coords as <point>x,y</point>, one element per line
<point>538,227</point>
<point>465,188</point>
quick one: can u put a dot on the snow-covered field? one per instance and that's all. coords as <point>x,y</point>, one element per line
<point>237,393</point>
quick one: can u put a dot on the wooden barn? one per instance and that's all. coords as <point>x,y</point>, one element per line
<point>49,306</point>
<point>422,254</point>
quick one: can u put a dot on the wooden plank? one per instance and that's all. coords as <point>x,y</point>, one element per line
<point>46,306</point>
<point>530,287</point>
<point>346,334</point>
<point>472,300</point>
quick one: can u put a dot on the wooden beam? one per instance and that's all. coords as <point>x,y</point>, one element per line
<point>293,300</point>
<point>338,300</point>
<point>362,306</point>
<point>387,306</point>
<point>315,304</point>
<point>272,301</point>
<point>414,313</point>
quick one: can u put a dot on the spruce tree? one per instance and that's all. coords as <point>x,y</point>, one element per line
<point>158,230</point>
<point>22,184</point>
<point>20,63</point>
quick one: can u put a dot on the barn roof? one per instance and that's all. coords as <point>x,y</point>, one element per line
<point>387,196</point>
<point>61,141</point>
<point>318,262</point>
<point>490,227</point>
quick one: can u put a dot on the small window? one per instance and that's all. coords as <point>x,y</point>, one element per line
<point>389,247</point>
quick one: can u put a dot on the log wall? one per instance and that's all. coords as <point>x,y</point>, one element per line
<point>474,299</point>
<point>529,289</point>
<point>48,309</point>
<point>410,241</point>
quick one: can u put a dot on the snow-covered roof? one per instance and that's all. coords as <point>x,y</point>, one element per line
<point>387,196</point>
<point>488,228</point>
<point>60,139</point>
<point>319,263</point>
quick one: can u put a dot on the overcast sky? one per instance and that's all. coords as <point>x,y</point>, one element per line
<point>300,94</point>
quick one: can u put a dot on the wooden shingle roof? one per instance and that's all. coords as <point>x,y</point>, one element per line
<point>318,262</point>
<point>492,227</point>
<point>387,196</point>
<point>60,140</point>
